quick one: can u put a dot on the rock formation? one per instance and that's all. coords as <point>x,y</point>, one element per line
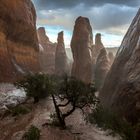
<point>60,56</point>
<point>18,39</point>
<point>43,38</point>
<point>47,52</point>
<point>81,46</point>
<point>101,69</point>
<point>111,57</point>
<point>121,91</point>
<point>97,47</point>
<point>95,52</point>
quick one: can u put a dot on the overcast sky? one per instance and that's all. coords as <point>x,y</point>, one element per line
<point>109,17</point>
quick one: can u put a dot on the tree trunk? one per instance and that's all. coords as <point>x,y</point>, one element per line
<point>59,114</point>
<point>36,100</point>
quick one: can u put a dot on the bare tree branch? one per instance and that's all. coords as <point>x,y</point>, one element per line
<point>63,105</point>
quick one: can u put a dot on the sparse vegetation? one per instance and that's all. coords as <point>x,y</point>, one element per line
<point>19,110</point>
<point>35,86</point>
<point>109,120</point>
<point>66,92</point>
<point>72,94</point>
<point>32,134</point>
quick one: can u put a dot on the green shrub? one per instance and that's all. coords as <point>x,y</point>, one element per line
<point>109,120</point>
<point>19,110</point>
<point>32,134</point>
<point>35,86</point>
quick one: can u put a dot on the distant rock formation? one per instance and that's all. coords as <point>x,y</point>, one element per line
<point>97,47</point>
<point>18,39</point>
<point>111,57</point>
<point>43,38</point>
<point>81,46</point>
<point>101,69</point>
<point>95,52</point>
<point>60,56</point>
<point>47,52</point>
<point>121,91</point>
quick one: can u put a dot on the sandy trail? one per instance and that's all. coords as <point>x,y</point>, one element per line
<point>11,129</point>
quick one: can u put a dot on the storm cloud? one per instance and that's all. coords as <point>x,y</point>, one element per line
<point>54,4</point>
<point>107,16</point>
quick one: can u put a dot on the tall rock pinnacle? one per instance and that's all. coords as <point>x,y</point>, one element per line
<point>95,52</point>
<point>101,69</point>
<point>81,49</point>
<point>60,56</point>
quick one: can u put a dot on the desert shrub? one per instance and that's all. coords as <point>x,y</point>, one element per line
<point>35,86</point>
<point>32,134</point>
<point>109,120</point>
<point>19,110</point>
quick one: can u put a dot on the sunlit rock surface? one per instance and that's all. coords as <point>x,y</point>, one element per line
<point>18,39</point>
<point>121,91</point>
<point>81,49</point>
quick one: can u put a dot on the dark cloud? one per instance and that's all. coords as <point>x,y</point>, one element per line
<point>54,4</point>
<point>110,16</point>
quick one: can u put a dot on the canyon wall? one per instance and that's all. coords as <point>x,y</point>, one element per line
<point>121,91</point>
<point>18,39</point>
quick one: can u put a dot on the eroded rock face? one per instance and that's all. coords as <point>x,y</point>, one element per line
<point>121,91</point>
<point>81,46</point>
<point>47,52</point>
<point>101,69</point>
<point>42,37</point>
<point>60,56</point>
<point>18,39</point>
<point>96,48</point>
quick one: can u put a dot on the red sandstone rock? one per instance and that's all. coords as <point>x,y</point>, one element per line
<point>97,47</point>
<point>81,46</point>
<point>121,91</point>
<point>95,52</point>
<point>47,52</point>
<point>18,39</point>
<point>60,56</point>
<point>101,68</point>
